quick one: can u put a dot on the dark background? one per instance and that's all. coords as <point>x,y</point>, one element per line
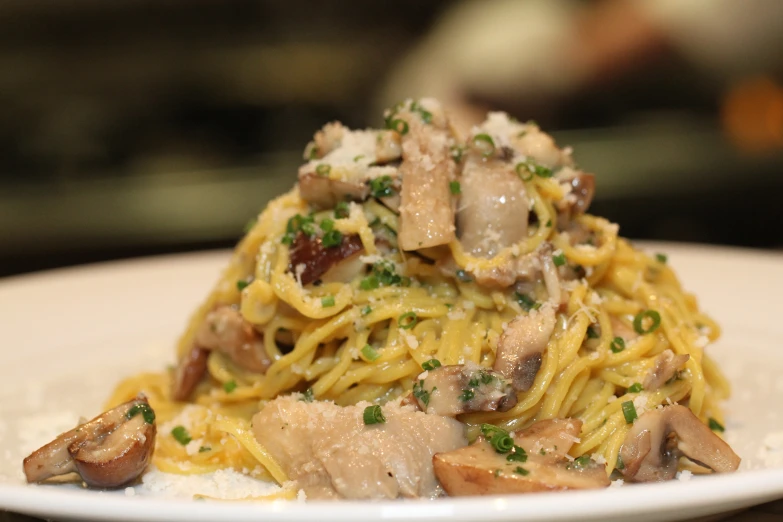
<point>133,128</point>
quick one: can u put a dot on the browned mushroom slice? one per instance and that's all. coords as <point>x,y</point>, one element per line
<point>189,372</point>
<point>665,367</point>
<point>109,451</point>
<point>452,390</point>
<point>493,208</point>
<point>226,331</point>
<point>310,259</point>
<point>522,345</point>
<point>479,469</point>
<point>657,440</point>
<point>426,211</point>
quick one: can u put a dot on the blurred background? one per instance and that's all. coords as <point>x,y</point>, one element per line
<point>136,127</point>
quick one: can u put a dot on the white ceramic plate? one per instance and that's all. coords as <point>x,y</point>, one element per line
<point>68,336</point>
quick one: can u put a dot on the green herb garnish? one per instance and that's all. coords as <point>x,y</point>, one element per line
<point>430,365</point>
<point>370,353</point>
<point>715,425</point>
<point>230,386</point>
<point>629,411</point>
<point>146,412</point>
<point>327,301</point>
<point>181,435</point>
<point>332,238</point>
<point>455,187</point>
<point>485,144</point>
<point>642,317</point>
<point>618,345</point>
<point>381,187</point>
<point>373,415</point>
<point>323,169</point>
<point>635,387</point>
<point>408,320</point>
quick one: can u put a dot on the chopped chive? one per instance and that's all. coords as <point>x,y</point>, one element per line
<point>341,210</point>
<point>467,395</point>
<point>591,333</point>
<point>230,386</point>
<point>373,415</point>
<point>629,411</point>
<point>408,320</point>
<point>456,153</point>
<point>715,425</point>
<point>519,455</point>
<point>370,353</point>
<point>635,387</point>
<point>582,462</point>
<point>323,169</point>
<point>332,238</point>
<point>327,225</point>
<point>559,259</point>
<point>401,126</point>
<point>543,451</point>
<point>369,283</point>
<point>549,223</point>
<point>638,321</point>
<point>203,449</point>
<point>502,442</point>
<point>455,187</point>
<point>366,310</point>
<point>421,393</point>
<point>526,302</point>
<point>661,258</point>
<point>618,345</point>
<point>430,365</point>
<point>485,144</point>
<point>181,435</point>
<point>312,151</point>
<point>381,187</point>
<point>524,171</point>
<point>327,301</point>
<point>146,412</point>
<point>619,464</point>
<point>490,430</point>
<point>242,284</point>
<point>307,395</point>
<point>521,471</point>
<point>358,157</point>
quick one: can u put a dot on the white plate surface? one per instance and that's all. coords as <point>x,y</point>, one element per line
<point>68,336</point>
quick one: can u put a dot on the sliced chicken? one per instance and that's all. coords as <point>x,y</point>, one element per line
<point>452,390</point>
<point>665,367</point>
<point>656,441</point>
<point>330,452</point>
<point>493,207</point>
<point>225,330</point>
<point>107,452</point>
<point>310,259</point>
<point>480,469</point>
<point>522,344</point>
<point>426,209</point>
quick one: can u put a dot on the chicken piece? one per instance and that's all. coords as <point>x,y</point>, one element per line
<point>107,452</point>
<point>330,452</point>
<point>522,345</point>
<point>316,260</point>
<point>493,207</point>
<point>225,330</point>
<point>452,390</point>
<point>665,367</point>
<point>426,209</point>
<point>542,465</point>
<point>656,441</point>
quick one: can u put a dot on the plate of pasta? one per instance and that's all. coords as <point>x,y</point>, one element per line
<point>430,324</point>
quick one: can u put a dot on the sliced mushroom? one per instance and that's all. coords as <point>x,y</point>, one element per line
<point>665,367</point>
<point>342,161</point>
<point>479,469</point>
<point>452,390</point>
<point>109,451</point>
<point>189,372</point>
<point>310,259</point>
<point>522,345</point>
<point>225,330</point>
<point>656,441</point>
<point>493,207</point>
<point>540,147</point>
<point>426,210</point>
